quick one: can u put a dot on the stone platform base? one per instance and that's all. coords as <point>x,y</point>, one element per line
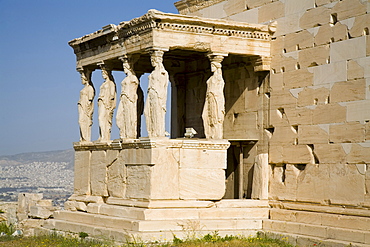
<point>161,220</point>
<point>309,224</point>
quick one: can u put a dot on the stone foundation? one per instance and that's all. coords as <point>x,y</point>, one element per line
<point>304,224</point>
<point>123,220</point>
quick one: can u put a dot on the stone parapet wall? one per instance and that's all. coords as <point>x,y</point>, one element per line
<point>151,169</point>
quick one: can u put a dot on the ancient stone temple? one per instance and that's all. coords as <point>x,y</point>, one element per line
<point>270,111</point>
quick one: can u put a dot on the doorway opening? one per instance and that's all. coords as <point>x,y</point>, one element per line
<point>239,171</point>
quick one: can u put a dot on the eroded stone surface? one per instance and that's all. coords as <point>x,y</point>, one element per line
<point>86,106</point>
<point>126,118</point>
<point>155,106</point>
<point>214,107</point>
<point>106,104</point>
<point>261,175</point>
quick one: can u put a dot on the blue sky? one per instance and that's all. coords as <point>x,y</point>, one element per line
<point>39,84</point>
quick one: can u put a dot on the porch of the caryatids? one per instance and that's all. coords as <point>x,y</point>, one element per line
<point>213,114</point>
<point>155,105</point>
<point>106,103</point>
<point>126,117</point>
<point>86,105</point>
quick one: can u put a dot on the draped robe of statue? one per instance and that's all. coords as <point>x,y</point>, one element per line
<point>106,105</point>
<point>155,105</point>
<point>127,109</point>
<point>214,107</point>
<point>86,108</point>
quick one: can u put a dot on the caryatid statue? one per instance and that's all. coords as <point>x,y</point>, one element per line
<point>126,117</point>
<point>106,103</point>
<point>214,107</point>
<point>86,105</point>
<point>155,105</point>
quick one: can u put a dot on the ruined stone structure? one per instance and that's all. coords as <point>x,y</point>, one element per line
<point>278,92</point>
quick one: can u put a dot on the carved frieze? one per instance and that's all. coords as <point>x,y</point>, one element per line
<point>155,19</point>
<point>172,31</point>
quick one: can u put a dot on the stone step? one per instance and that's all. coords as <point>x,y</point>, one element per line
<point>95,220</point>
<point>176,213</point>
<point>302,240</point>
<point>123,235</point>
<point>321,218</point>
<point>318,231</point>
<point>159,225</point>
<point>91,230</point>
<point>225,203</point>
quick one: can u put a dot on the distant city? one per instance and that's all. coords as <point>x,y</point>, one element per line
<point>50,173</point>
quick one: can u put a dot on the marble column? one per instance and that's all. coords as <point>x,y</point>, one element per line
<point>86,105</point>
<point>126,118</point>
<point>106,103</point>
<point>213,114</point>
<point>155,105</point>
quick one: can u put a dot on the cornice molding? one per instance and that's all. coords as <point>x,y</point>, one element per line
<point>155,19</point>
<point>147,143</point>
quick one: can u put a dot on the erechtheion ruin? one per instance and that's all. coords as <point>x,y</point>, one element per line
<point>276,97</point>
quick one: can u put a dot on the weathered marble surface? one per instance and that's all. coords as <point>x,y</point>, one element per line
<point>173,31</point>
<point>155,105</point>
<point>106,104</point>
<point>149,169</point>
<point>214,107</point>
<point>126,117</point>
<point>86,105</point>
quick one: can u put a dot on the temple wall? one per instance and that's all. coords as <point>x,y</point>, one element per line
<point>319,96</point>
<point>241,86</point>
<point>318,110</point>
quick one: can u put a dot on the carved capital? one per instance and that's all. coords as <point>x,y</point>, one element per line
<point>129,60</point>
<point>156,55</point>
<point>104,66</point>
<point>85,74</point>
<point>216,56</point>
<point>123,58</point>
<point>157,51</point>
<point>262,64</point>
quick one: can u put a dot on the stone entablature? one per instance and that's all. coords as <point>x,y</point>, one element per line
<point>169,32</point>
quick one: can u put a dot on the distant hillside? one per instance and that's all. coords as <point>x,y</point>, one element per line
<point>50,173</point>
<point>50,156</point>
